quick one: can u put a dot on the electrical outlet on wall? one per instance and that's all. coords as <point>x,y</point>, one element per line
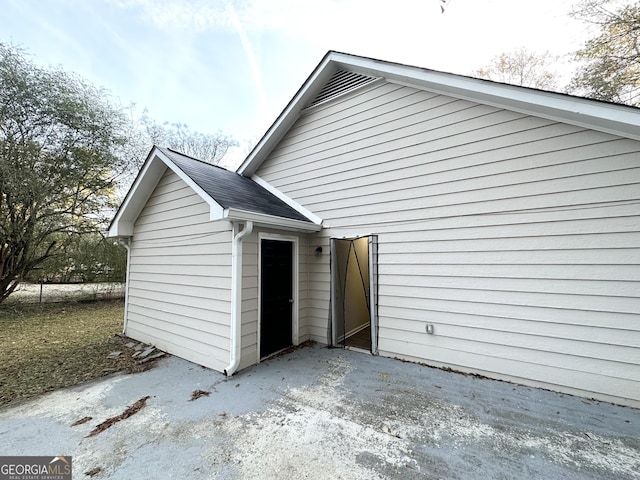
<point>429,328</point>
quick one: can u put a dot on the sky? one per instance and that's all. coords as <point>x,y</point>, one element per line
<point>232,66</point>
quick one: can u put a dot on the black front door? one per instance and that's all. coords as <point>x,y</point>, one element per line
<point>276,296</point>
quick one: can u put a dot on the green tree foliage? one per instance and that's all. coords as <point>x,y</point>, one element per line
<point>85,258</point>
<point>521,67</point>
<point>611,60</point>
<point>61,152</point>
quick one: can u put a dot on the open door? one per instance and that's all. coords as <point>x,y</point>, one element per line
<point>373,290</point>
<point>354,272</point>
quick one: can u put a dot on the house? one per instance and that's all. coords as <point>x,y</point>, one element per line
<point>407,212</point>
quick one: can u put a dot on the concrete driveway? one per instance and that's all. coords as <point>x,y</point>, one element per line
<point>324,413</point>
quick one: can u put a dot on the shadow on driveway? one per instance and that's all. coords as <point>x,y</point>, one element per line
<point>324,413</point>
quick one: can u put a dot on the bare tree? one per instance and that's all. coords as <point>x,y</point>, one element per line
<point>521,67</point>
<point>208,147</point>
<point>611,60</point>
<point>144,132</point>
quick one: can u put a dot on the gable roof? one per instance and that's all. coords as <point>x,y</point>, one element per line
<point>228,194</point>
<point>232,191</point>
<point>340,72</point>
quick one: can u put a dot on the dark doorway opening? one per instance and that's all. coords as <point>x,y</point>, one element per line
<point>276,296</point>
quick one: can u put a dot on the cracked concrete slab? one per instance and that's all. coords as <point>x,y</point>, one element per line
<point>326,413</point>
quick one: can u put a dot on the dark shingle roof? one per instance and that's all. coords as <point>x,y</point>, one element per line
<point>232,190</point>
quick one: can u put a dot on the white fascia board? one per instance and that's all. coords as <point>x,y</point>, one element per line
<point>270,220</point>
<point>292,203</point>
<point>287,118</point>
<point>143,187</point>
<point>611,118</point>
<point>120,229</point>
<point>608,118</point>
<point>137,196</point>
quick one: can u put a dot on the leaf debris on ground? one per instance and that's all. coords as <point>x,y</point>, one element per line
<point>131,410</point>
<point>93,472</point>
<point>196,394</point>
<point>293,348</point>
<point>81,421</point>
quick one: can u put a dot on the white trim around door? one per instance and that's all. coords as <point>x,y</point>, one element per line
<point>295,328</point>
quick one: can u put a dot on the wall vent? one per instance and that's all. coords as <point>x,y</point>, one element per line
<point>341,82</point>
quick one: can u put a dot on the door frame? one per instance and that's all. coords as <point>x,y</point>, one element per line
<point>294,285</point>
<point>373,288</point>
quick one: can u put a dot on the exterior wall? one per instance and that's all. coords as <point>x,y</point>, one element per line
<point>250,298</point>
<point>305,258</point>
<point>251,295</point>
<point>517,237</point>
<point>179,296</point>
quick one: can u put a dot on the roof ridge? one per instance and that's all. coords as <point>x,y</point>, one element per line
<point>197,159</point>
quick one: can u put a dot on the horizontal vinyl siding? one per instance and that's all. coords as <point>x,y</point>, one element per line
<point>306,255</point>
<point>251,293</point>
<point>179,296</point>
<point>517,237</point>
<point>319,288</point>
<point>249,355</point>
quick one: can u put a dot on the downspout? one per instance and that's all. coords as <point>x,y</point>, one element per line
<point>126,243</point>
<point>236,298</point>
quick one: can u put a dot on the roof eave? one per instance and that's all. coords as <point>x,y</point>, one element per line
<point>610,118</point>
<point>145,183</point>
<point>616,119</point>
<point>286,199</point>
<point>266,220</point>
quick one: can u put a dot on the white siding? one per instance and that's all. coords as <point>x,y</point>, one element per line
<point>249,355</point>
<point>516,236</point>
<point>305,257</point>
<point>251,298</point>
<point>179,295</point>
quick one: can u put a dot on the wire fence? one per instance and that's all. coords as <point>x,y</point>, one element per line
<point>65,292</point>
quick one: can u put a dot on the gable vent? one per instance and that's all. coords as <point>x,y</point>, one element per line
<point>341,82</point>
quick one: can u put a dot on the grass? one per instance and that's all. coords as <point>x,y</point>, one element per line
<point>49,346</point>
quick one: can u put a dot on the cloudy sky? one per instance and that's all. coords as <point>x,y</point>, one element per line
<point>233,65</point>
